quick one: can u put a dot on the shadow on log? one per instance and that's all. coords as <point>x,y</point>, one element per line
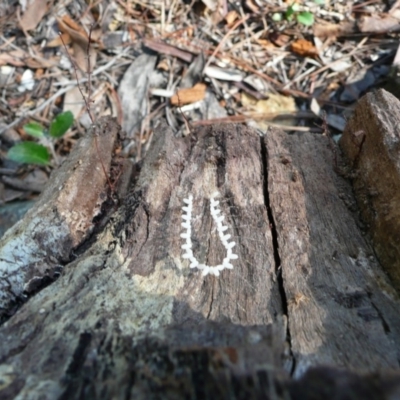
<point>305,313</point>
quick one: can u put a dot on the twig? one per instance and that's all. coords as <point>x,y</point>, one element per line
<point>89,72</point>
<point>97,71</point>
<point>60,92</point>
<point>183,115</point>
<point>241,21</point>
<point>87,102</point>
<point>77,80</point>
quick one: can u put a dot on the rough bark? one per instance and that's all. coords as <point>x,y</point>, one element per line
<point>341,308</point>
<point>128,318</point>
<point>33,252</point>
<point>371,142</point>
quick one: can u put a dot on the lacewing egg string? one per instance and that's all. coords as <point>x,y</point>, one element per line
<point>218,219</point>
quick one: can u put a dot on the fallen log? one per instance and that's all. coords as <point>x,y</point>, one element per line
<point>371,143</point>
<point>295,291</point>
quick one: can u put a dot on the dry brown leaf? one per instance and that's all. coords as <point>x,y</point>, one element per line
<point>73,101</point>
<point>34,63</point>
<point>275,104</point>
<point>304,48</point>
<point>35,11</point>
<point>163,65</point>
<point>67,21</point>
<point>252,5</point>
<point>375,24</point>
<point>328,29</point>
<point>14,57</point>
<point>231,17</point>
<point>39,73</point>
<point>266,44</point>
<point>56,42</point>
<point>80,42</point>
<point>189,95</point>
<point>280,39</point>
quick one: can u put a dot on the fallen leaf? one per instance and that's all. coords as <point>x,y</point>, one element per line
<point>251,4</point>
<point>304,48</point>
<point>68,22</point>
<point>73,101</point>
<point>39,73</point>
<point>231,17</point>
<point>14,57</point>
<point>34,12</point>
<point>279,39</point>
<point>35,62</point>
<point>59,41</point>
<point>328,29</point>
<point>133,93</point>
<point>266,44</point>
<point>275,104</point>
<point>189,95</point>
<point>80,42</point>
<point>375,24</point>
<point>163,65</point>
<point>212,5</point>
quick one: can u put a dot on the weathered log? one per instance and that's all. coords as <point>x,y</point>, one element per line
<point>129,318</point>
<point>33,252</point>
<point>341,308</point>
<point>371,142</point>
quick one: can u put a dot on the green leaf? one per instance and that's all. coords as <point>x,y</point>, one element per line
<point>319,2</point>
<point>61,123</point>
<point>34,129</point>
<point>289,13</point>
<point>29,153</point>
<point>305,18</point>
<point>295,7</point>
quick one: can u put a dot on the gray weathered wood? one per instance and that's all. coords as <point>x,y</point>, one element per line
<point>371,143</point>
<point>37,247</point>
<point>129,319</point>
<point>342,309</point>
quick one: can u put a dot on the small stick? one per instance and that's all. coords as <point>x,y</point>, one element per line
<point>240,22</point>
<point>88,100</point>
<point>77,79</point>
<point>183,115</point>
<point>89,72</point>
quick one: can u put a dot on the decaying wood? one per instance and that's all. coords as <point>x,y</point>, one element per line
<point>371,142</point>
<point>128,317</point>
<point>33,252</point>
<point>341,308</point>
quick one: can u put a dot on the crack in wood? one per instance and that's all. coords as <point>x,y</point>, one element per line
<point>277,259</point>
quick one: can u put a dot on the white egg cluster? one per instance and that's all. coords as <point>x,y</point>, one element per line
<point>187,246</point>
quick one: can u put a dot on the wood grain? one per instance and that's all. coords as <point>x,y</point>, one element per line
<point>371,143</point>
<point>341,308</point>
<point>129,319</point>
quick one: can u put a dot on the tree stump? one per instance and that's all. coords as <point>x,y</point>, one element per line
<point>97,300</point>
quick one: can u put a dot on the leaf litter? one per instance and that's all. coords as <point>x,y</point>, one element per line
<point>215,61</point>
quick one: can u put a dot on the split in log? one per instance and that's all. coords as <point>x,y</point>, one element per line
<point>128,318</point>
